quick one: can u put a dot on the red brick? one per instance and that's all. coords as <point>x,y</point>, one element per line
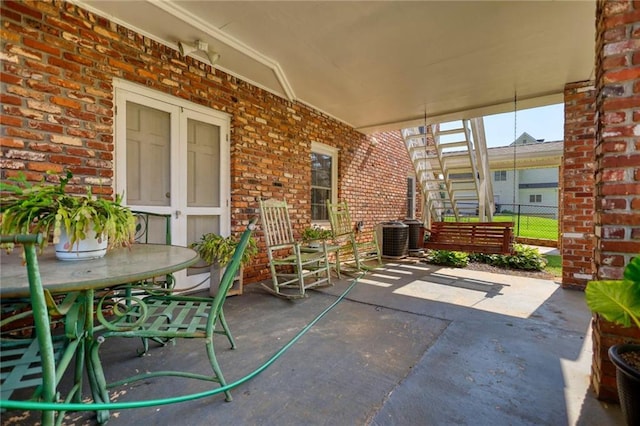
<point>64,64</point>
<point>620,189</point>
<point>22,133</point>
<point>65,159</point>
<point>65,102</point>
<point>45,167</point>
<point>11,143</point>
<point>22,9</point>
<point>622,75</point>
<point>10,79</point>
<point>46,48</point>
<point>6,120</point>
<point>621,246</point>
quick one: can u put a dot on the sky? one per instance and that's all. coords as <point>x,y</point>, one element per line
<point>542,123</point>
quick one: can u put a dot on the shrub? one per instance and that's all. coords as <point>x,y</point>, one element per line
<point>456,259</point>
<point>524,257</point>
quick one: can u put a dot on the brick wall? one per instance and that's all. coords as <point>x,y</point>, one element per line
<point>58,64</point>
<point>618,137</point>
<point>617,180</point>
<point>603,372</point>
<point>577,176</point>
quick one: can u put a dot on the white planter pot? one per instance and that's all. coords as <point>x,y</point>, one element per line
<point>216,276</point>
<point>89,248</point>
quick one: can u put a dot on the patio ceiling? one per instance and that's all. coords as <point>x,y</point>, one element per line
<point>383,65</point>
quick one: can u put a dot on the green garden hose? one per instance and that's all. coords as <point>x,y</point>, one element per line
<point>60,406</point>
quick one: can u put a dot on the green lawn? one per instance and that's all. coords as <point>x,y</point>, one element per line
<point>554,265</point>
<point>527,227</point>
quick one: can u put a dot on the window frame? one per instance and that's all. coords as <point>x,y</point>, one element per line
<point>320,148</point>
<point>500,175</point>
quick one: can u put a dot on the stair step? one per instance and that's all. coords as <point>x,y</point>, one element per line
<point>454,144</point>
<point>453,131</point>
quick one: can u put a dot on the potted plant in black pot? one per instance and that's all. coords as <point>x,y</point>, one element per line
<point>81,226</point>
<point>217,252</point>
<point>618,301</point>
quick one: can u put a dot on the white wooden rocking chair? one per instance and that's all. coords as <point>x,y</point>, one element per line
<point>352,252</point>
<point>293,271</point>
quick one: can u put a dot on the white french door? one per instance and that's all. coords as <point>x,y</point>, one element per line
<point>172,157</point>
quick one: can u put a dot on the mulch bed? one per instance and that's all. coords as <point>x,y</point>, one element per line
<point>518,272</point>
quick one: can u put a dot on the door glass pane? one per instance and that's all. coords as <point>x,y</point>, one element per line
<point>148,156</point>
<point>203,164</point>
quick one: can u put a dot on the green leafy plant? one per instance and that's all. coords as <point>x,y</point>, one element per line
<point>617,301</point>
<point>456,259</point>
<point>214,248</point>
<point>48,209</point>
<point>315,232</point>
<point>523,257</point>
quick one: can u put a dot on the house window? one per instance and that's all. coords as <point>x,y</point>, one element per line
<point>535,198</point>
<point>324,180</point>
<point>500,175</point>
<point>411,198</point>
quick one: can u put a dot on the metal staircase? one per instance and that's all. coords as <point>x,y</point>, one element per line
<point>452,168</point>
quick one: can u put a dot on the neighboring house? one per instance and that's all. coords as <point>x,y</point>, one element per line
<point>524,176</point>
<point>534,188</point>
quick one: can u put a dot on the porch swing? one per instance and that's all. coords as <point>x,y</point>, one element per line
<point>474,237</point>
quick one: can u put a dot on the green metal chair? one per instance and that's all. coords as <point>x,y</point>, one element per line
<point>352,252</point>
<point>291,267</point>
<point>154,228</point>
<point>174,317</point>
<point>31,356</point>
<point>151,228</point>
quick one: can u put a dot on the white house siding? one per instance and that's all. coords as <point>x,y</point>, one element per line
<point>529,182</point>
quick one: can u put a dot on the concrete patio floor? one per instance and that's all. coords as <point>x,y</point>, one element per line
<point>411,344</point>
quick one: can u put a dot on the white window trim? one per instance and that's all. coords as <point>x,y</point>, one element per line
<point>321,148</point>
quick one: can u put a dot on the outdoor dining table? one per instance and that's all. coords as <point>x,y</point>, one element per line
<point>84,277</point>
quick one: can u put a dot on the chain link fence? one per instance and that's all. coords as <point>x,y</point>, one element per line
<point>531,220</point>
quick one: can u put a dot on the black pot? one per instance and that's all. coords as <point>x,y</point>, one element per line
<point>628,380</point>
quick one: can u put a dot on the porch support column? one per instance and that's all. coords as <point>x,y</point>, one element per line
<point>577,182</point>
<point>617,180</point>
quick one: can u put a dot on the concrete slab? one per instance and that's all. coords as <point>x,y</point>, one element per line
<point>412,344</point>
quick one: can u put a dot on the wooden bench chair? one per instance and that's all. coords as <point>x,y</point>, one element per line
<point>352,252</point>
<point>32,357</point>
<point>175,317</point>
<point>293,270</point>
<point>471,237</point>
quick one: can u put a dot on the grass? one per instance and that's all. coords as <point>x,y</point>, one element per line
<point>554,265</point>
<point>528,226</point>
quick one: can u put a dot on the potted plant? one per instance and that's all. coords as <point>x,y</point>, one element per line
<point>618,301</point>
<point>311,235</point>
<point>68,220</point>
<point>217,252</point>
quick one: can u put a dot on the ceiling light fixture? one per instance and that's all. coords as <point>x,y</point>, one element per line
<point>199,46</point>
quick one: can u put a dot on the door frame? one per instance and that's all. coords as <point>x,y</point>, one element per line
<point>126,91</point>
